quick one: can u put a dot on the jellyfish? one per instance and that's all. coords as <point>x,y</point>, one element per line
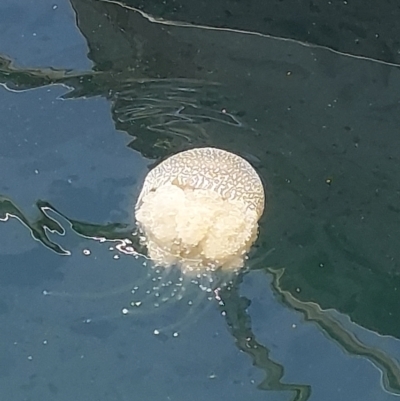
<point>199,210</point>
<point>197,215</point>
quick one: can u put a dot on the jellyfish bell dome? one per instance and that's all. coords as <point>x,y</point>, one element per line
<point>199,210</point>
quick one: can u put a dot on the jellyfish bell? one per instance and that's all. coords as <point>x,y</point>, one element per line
<point>199,210</point>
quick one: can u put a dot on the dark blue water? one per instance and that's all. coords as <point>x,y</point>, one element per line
<point>94,93</point>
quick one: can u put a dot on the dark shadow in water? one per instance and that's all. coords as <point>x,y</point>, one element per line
<point>45,224</point>
<point>163,116</point>
<point>234,308</point>
<point>334,330</point>
<point>39,228</point>
<point>346,26</point>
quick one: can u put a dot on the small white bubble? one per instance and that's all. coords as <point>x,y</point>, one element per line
<point>156,332</point>
<point>44,342</point>
<point>176,334</point>
<point>116,257</point>
<point>86,252</point>
<point>30,357</point>
<point>125,311</point>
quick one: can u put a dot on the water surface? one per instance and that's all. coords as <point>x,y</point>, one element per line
<point>304,322</point>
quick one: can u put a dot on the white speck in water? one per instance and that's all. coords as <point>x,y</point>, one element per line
<point>176,334</point>
<point>116,257</point>
<point>125,311</point>
<point>156,332</point>
<point>86,252</point>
